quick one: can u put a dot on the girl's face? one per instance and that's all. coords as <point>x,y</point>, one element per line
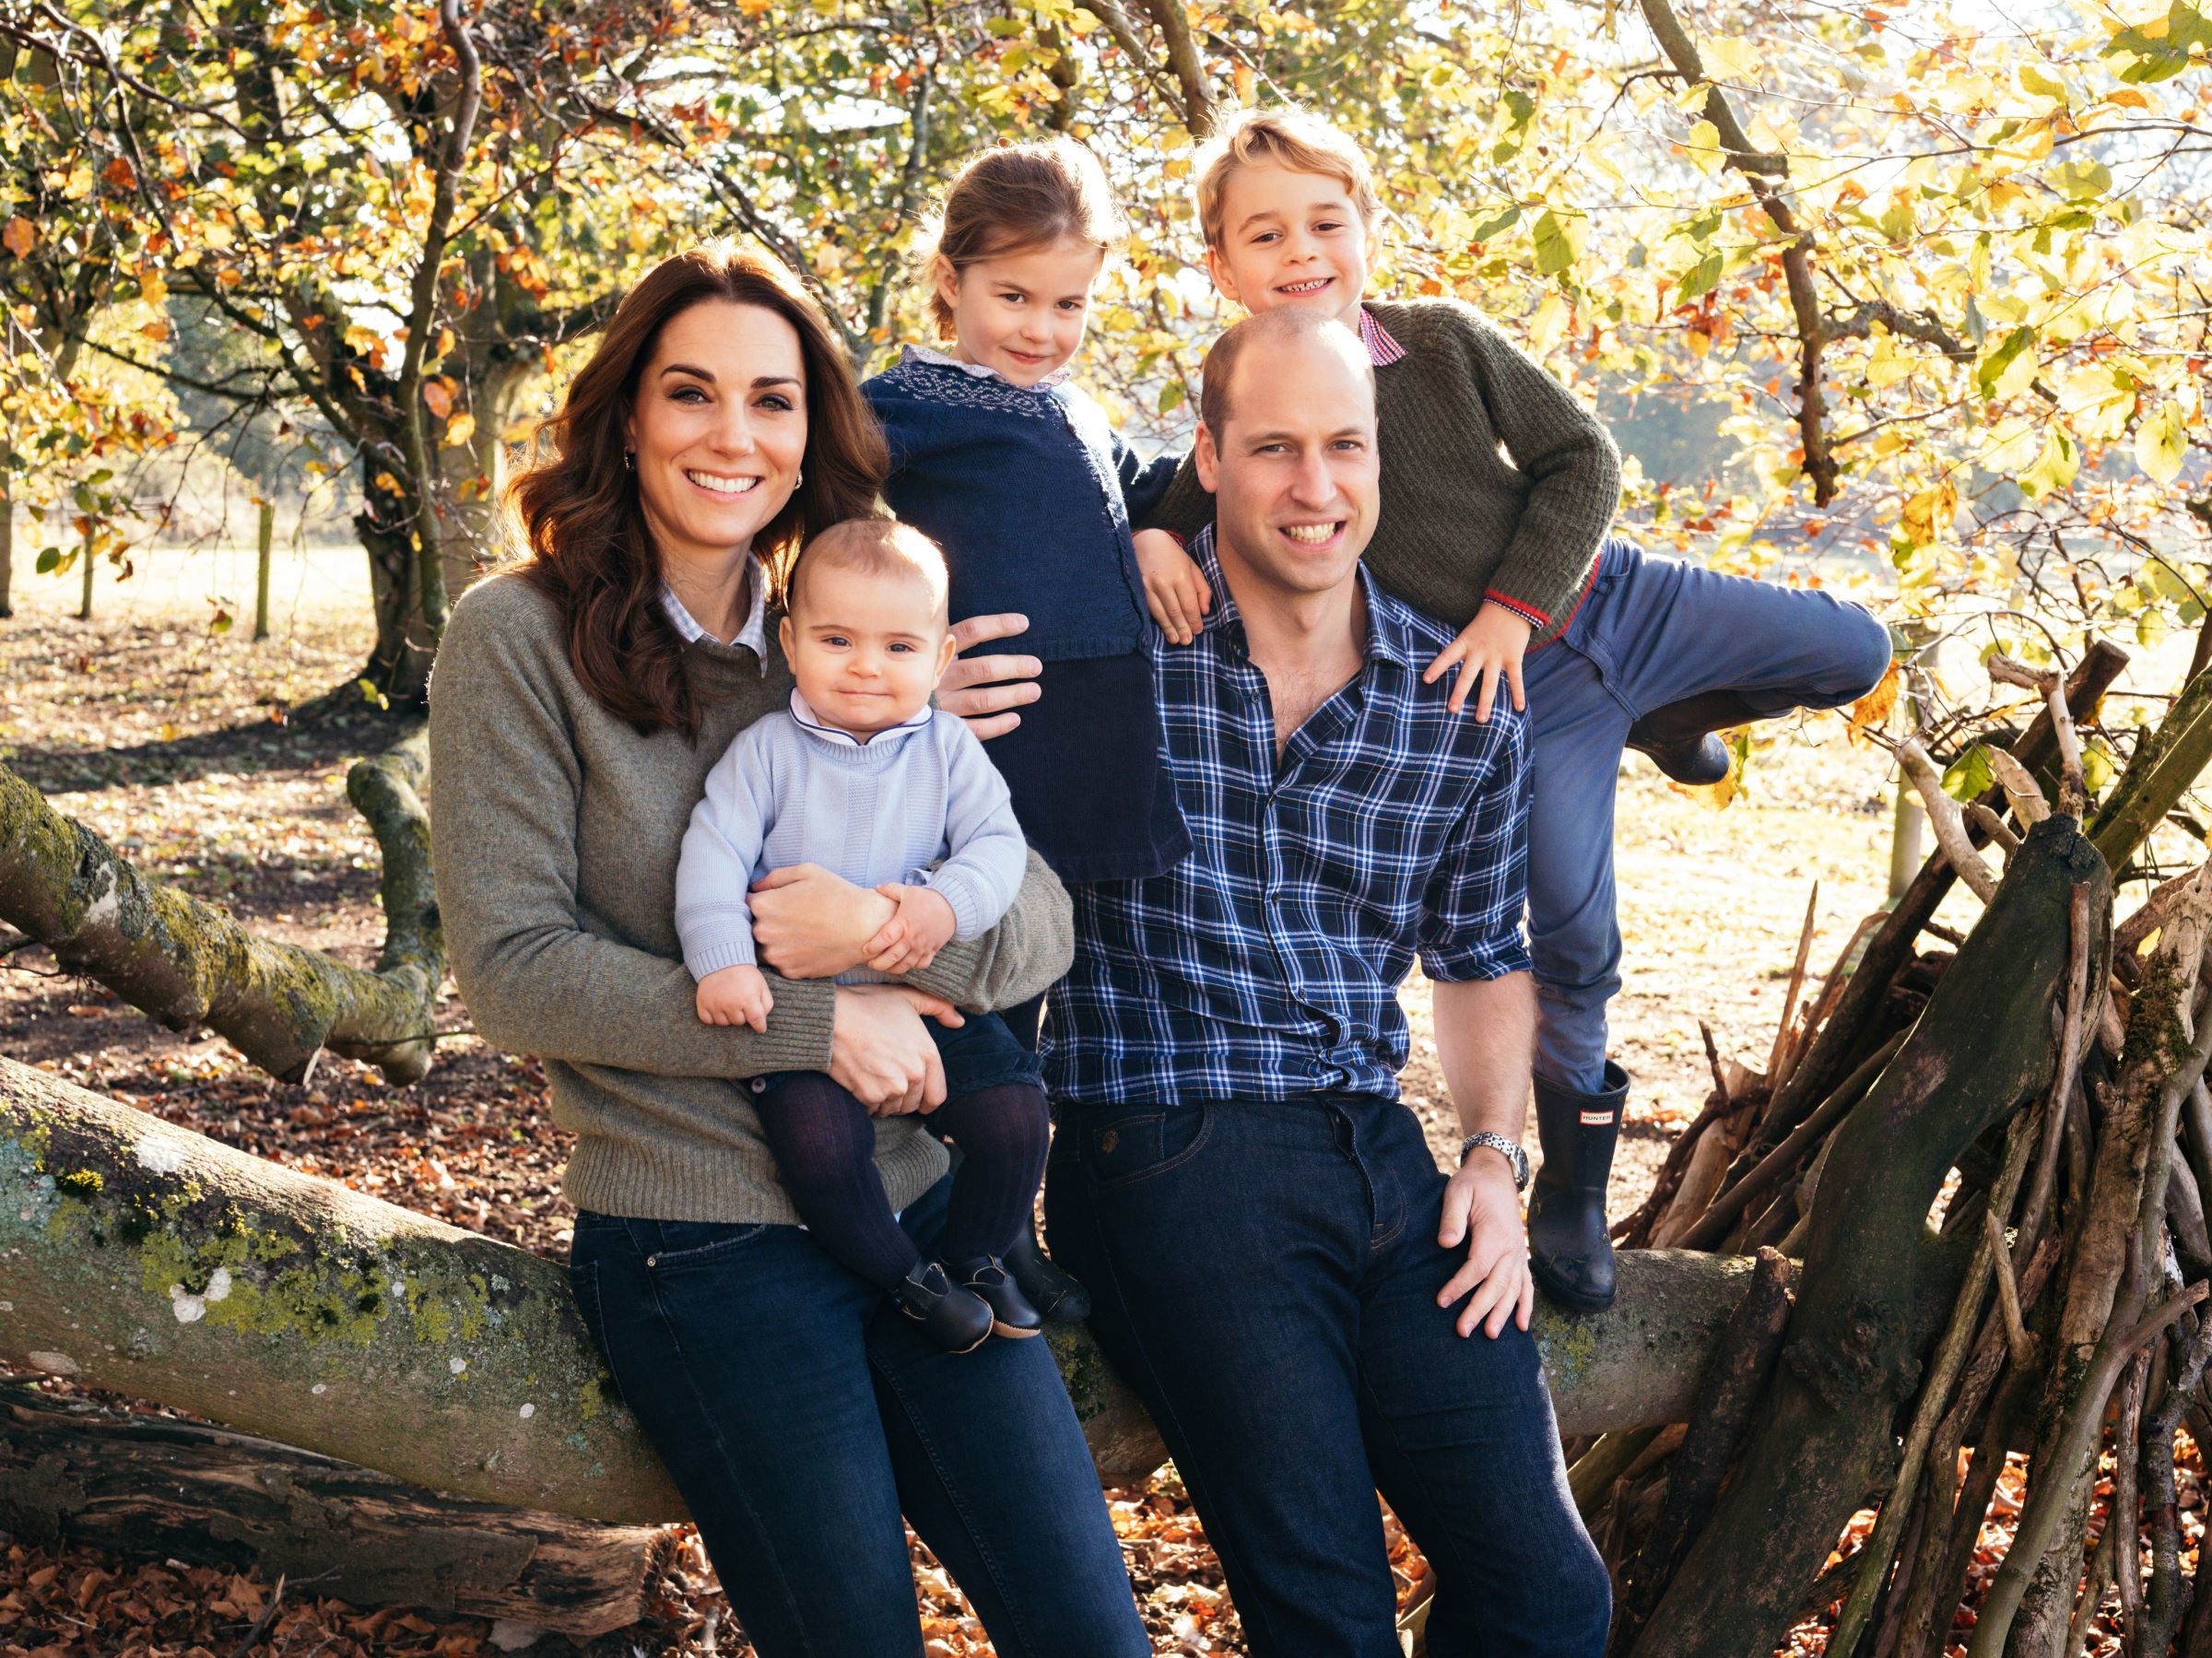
<point>1022,314</point>
<point>718,428</point>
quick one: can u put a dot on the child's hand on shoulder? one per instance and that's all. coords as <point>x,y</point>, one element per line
<point>1489,648</point>
<point>922,924</point>
<point>735,995</point>
<point>1174,585</point>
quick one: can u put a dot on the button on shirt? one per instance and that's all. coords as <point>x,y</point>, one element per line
<point>1266,964</point>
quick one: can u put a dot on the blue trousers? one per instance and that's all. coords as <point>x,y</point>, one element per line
<point>1651,631</point>
<point>1266,1275</point>
<point>801,1412</point>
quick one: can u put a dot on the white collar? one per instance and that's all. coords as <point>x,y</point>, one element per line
<point>753,635</point>
<point>983,371</point>
<point>821,728</point>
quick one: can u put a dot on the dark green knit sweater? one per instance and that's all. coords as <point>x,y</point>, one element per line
<point>1460,522</point>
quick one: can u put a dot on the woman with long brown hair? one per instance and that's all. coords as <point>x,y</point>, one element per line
<point>577,705</point>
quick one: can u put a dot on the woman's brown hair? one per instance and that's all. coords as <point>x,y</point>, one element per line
<point>1013,199</point>
<point>578,505</point>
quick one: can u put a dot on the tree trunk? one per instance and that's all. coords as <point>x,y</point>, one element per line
<point>7,551</point>
<point>154,1487</point>
<point>1823,1437</point>
<point>148,1259</point>
<point>188,963</point>
<point>479,537</point>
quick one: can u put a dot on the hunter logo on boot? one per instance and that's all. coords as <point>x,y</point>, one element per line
<point>1596,1119</point>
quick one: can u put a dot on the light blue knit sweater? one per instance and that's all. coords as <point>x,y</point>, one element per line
<point>791,790</point>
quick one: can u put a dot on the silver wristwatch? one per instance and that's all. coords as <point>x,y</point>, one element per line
<point>1507,1149</point>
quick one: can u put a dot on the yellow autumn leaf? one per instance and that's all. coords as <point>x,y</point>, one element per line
<point>2053,469</point>
<point>2162,441</point>
<point>1703,147</point>
<point>460,428</point>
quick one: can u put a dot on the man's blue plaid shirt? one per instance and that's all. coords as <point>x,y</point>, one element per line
<point>1266,964</point>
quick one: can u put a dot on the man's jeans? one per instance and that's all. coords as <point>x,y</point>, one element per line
<point>1650,632</point>
<point>801,1412</point>
<point>1267,1275</point>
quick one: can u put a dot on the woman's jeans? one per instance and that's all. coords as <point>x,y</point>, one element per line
<point>1651,632</point>
<point>801,1414</point>
<point>1267,1275</point>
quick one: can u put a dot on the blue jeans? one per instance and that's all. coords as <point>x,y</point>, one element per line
<point>801,1414</point>
<point>1651,631</point>
<point>1266,1276</point>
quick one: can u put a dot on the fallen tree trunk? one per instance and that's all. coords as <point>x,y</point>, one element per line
<point>1823,1438</point>
<point>151,1487</point>
<point>188,963</point>
<point>143,1257</point>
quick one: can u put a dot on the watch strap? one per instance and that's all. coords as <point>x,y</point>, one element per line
<point>1516,1158</point>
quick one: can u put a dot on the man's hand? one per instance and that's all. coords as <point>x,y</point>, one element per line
<point>1487,649</point>
<point>1481,1207</point>
<point>1174,586</point>
<point>735,995</point>
<point>910,939</point>
<point>985,690</point>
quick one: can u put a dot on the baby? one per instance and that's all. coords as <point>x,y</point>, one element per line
<point>864,777</point>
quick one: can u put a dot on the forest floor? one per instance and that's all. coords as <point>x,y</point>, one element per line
<point>178,743</point>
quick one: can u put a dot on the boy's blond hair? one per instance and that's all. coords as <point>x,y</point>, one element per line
<point>1287,137</point>
<point>872,547</point>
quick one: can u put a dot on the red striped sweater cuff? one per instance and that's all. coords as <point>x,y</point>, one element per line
<point>1520,607</point>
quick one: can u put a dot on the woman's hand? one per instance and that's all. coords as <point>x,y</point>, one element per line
<point>810,923</point>
<point>880,1051</point>
<point>1488,648</point>
<point>1174,586</point>
<point>985,690</point>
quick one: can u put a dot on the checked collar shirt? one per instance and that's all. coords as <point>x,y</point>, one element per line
<point>1266,964</point>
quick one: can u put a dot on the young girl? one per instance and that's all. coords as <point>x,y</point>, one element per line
<point>1017,475</point>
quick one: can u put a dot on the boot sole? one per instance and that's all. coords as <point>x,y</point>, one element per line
<point>1008,1330</point>
<point>1574,1300</point>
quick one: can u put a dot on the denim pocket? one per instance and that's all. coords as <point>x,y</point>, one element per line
<point>1122,1150</point>
<point>683,1244</point>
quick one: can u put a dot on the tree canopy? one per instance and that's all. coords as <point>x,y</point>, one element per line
<point>1941,264</point>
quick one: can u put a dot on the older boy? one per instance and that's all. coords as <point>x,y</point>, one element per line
<point>1497,492</point>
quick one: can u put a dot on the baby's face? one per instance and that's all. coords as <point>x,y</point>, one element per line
<point>866,650</point>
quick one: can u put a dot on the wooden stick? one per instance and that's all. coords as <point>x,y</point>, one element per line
<point>2170,1594</point>
<point>1947,821</point>
<point>2063,1081</point>
<point>1712,1059</point>
<point>1993,826</point>
<point>2022,793</point>
<point>2046,1499</point>
<point>1789,1001</point>
<point>2017,1338</point>
<point>2123,1521</point>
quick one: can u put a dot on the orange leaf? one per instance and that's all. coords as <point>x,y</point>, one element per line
<point>1872,711</point>
<point>119,176</point>
<point>441,400</point>
<point>21,237</point>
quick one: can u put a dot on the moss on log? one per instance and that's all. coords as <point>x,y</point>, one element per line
<point>139,1257</point>
<point>188,963</point>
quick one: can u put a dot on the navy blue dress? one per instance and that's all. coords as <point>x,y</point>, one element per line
<point>1030,494</point>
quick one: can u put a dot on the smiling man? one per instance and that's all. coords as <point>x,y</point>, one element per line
<point>1311,1309</point>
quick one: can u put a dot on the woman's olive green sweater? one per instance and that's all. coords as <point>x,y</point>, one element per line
<point>555,829</point>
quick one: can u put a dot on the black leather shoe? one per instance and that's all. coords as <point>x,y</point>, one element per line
<point>1059,1298</point>
<point>1679,737</point>
<point>956,1319</point>
<point>1568,1248</point>
<point>987,1279</point>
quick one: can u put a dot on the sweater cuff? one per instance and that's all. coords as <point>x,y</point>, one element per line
<point>800,1027</point>
<point>1543,598</point>
<point>716,951</point>
<point>971,917</point>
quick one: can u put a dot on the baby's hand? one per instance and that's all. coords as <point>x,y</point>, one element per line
<point>1489,647</point>
<point>735,995</point>
<point>909,941</point>
<point>1174,586</point>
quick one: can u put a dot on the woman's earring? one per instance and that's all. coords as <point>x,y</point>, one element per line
<point>630,460</point>
<point>798,478</point>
